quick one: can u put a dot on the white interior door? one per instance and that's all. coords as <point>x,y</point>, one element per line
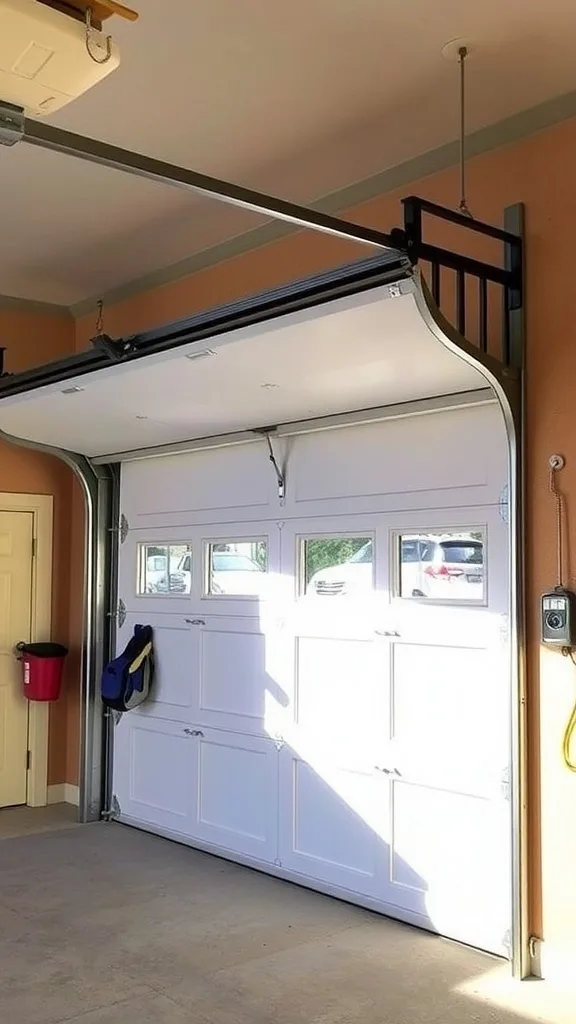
<point>16,533</point>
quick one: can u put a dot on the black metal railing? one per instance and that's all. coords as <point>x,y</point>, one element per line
<point>466,288</point>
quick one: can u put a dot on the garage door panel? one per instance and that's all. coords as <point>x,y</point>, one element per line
<point>233,673</point>
<point>174,693</point>
<point>441,692</point>
<point>344,723</point>
<point>316,467</point>
<point>446,839</point>
<point>160,493</point>
<point>336,688</point>
<point>239,688</point>
<point>330,823</point>
<point>154,772</point>
<point>237,794</point>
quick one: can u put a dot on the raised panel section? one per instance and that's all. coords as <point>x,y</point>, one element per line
<point>5,610</point>
<point>240,687</point>
<point>155,772</point>
<point>440,691</point>
<point>444,856</point>
<point>6,544</point>
<point>330,822</point>
<point>174,692</point>
<point>237,791</point>
<point>437,458</point>
<point>335,689</point>
<point>233,673</point>
<point>198,486</point>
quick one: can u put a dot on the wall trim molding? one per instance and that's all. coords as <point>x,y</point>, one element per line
<point>33,306</point>
<point>64,793</point>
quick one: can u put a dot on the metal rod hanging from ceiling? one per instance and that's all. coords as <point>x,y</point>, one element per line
<point>463,204</point>
<point>46,136</point>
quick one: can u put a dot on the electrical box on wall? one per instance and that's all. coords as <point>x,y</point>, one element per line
<point>559,618</point>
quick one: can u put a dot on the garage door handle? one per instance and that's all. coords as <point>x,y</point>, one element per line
<point>387,771</point>
<point>193,732</point>
<point>386,632</point>
<point>195,622</point>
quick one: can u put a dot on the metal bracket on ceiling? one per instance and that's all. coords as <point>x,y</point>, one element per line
<point>12,122</point>
<point>280,475</point>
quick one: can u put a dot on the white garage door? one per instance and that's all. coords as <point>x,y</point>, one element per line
<point>332,696</point>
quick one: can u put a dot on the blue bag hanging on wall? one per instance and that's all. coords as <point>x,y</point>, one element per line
<point>127,679</point>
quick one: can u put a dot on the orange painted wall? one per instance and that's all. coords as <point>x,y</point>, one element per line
<point>31,339</point>
<point>540,172</point>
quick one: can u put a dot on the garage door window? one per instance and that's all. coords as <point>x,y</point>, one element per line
<point>336,566</point>
<point>444,567</point>
<point>235,568</point>
<point>164,569</point>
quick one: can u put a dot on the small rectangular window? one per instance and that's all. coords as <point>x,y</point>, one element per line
<point>442,567</point>
<point>236,568</point>
<point>165,569</point>
<point>336,566</point>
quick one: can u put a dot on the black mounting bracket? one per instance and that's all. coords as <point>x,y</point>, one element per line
<point>3,372</point>
<point>115,350</point>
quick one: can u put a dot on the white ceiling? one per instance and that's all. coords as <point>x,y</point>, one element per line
<point>299,100</point>
<point>348,355</point>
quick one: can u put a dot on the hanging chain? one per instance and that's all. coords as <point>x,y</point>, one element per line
<point>559,527</point>
<point>100,317</point>
<point>463,205</point>
<point>88,40</point>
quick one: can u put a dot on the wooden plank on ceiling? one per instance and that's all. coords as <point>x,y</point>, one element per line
<point>101,9</point>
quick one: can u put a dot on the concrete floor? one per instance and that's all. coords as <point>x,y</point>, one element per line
<point>27,821</point>
<point>101,923</point>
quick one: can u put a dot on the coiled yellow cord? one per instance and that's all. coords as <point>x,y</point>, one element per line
<point>571,726</point>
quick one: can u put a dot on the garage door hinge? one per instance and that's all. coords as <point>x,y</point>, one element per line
<point>507,943</point>
<point>123,528</point>
<point>279,741</point>
<point>503,504</point>
<point>119,614</point>
<point>11,124</point>
<point>115,810</point>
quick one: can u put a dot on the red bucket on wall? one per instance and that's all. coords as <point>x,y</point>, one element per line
<point>42,668</point>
